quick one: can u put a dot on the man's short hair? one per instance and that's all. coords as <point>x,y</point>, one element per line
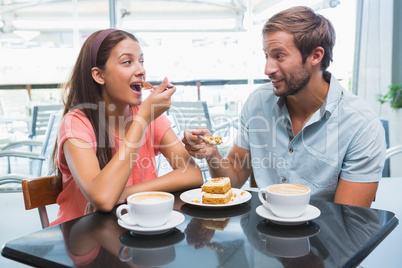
<point>310,30</point>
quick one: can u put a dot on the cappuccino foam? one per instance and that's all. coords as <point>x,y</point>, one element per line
<point>288,189</point>
<point>150,198</point>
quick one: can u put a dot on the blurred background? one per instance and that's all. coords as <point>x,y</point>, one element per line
<point>216,43</point>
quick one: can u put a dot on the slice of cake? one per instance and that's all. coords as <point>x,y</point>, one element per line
<point>209,198</point>
<point>218,185</point>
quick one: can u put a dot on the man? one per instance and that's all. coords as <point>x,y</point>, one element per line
<point>302,127</point>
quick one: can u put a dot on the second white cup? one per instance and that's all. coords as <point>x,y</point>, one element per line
<point>147,209</point>
<point>285,200</point>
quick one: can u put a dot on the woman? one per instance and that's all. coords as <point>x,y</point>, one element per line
<point>108,137</point>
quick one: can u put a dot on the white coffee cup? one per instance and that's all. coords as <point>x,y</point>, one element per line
<point>285,200</point>
<point>147,209</point>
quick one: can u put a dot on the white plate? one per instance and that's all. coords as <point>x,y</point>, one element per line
<point>196,194</point>
<point>175,219</point>
<point>311,213</point>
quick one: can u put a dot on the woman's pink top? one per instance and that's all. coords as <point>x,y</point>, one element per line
<point>75,125</point>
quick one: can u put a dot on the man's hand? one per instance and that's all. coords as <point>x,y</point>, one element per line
<point>196,146</point>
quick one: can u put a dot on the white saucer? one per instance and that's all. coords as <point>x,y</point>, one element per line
<point>311,213</point>
<point>194,197</point>
<point>175,219</point>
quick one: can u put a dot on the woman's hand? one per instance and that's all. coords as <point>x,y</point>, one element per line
<point>196,146</point>
<point>157,102</point>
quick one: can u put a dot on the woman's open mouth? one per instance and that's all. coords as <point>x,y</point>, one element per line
<point>136,87</point>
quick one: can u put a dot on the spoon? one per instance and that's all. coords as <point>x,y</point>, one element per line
<point>146,85</point>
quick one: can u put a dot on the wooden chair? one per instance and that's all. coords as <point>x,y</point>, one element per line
<point>40,192</point>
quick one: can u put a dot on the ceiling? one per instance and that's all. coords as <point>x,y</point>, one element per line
<point>61,21</point>
<point>63,15</point>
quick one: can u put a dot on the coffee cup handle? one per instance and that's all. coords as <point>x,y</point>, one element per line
<point>121,254</point>
<point>261,194</point>
<point>120,216</point>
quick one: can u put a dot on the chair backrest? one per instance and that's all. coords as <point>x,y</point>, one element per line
<point>174,125</point>
<point>191,114</point>
<point>387,169</point>
<point>394,150</point>
<point>40,118</point>
<point>40,192</point>
<point>49,142</point>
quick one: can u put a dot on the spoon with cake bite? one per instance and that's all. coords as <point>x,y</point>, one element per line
<point>145,85</point>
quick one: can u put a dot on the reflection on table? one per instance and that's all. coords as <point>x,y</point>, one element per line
<point>342,236</point>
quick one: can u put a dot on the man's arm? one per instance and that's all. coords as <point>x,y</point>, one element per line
<point>236,166</point>
<point>355,193</point>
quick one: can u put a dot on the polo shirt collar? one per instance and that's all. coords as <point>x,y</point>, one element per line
<point>334,95</point>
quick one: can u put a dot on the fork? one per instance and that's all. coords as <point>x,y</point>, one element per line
<point>203,138</point>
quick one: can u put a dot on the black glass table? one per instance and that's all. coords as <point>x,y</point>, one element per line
<point>235,236</point>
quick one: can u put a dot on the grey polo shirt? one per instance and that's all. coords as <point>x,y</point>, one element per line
<point>343,139</point>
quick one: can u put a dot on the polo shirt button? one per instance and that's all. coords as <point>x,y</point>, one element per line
<point>291,150</point>
<point>283,180</point>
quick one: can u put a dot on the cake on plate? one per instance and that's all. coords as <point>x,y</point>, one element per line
<point>217,191</point>
<point>217,185</point>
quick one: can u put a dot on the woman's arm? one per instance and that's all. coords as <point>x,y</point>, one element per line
<point>103,188</point>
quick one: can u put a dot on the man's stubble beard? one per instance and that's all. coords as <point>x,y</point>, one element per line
<point>295,84</point>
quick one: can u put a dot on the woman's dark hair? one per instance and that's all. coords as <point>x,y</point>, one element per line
<point>310,30</point>
<point>83,93</point>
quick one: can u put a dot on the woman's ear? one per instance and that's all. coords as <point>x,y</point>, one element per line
<point>317,55</point>
<point>97,75</point>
